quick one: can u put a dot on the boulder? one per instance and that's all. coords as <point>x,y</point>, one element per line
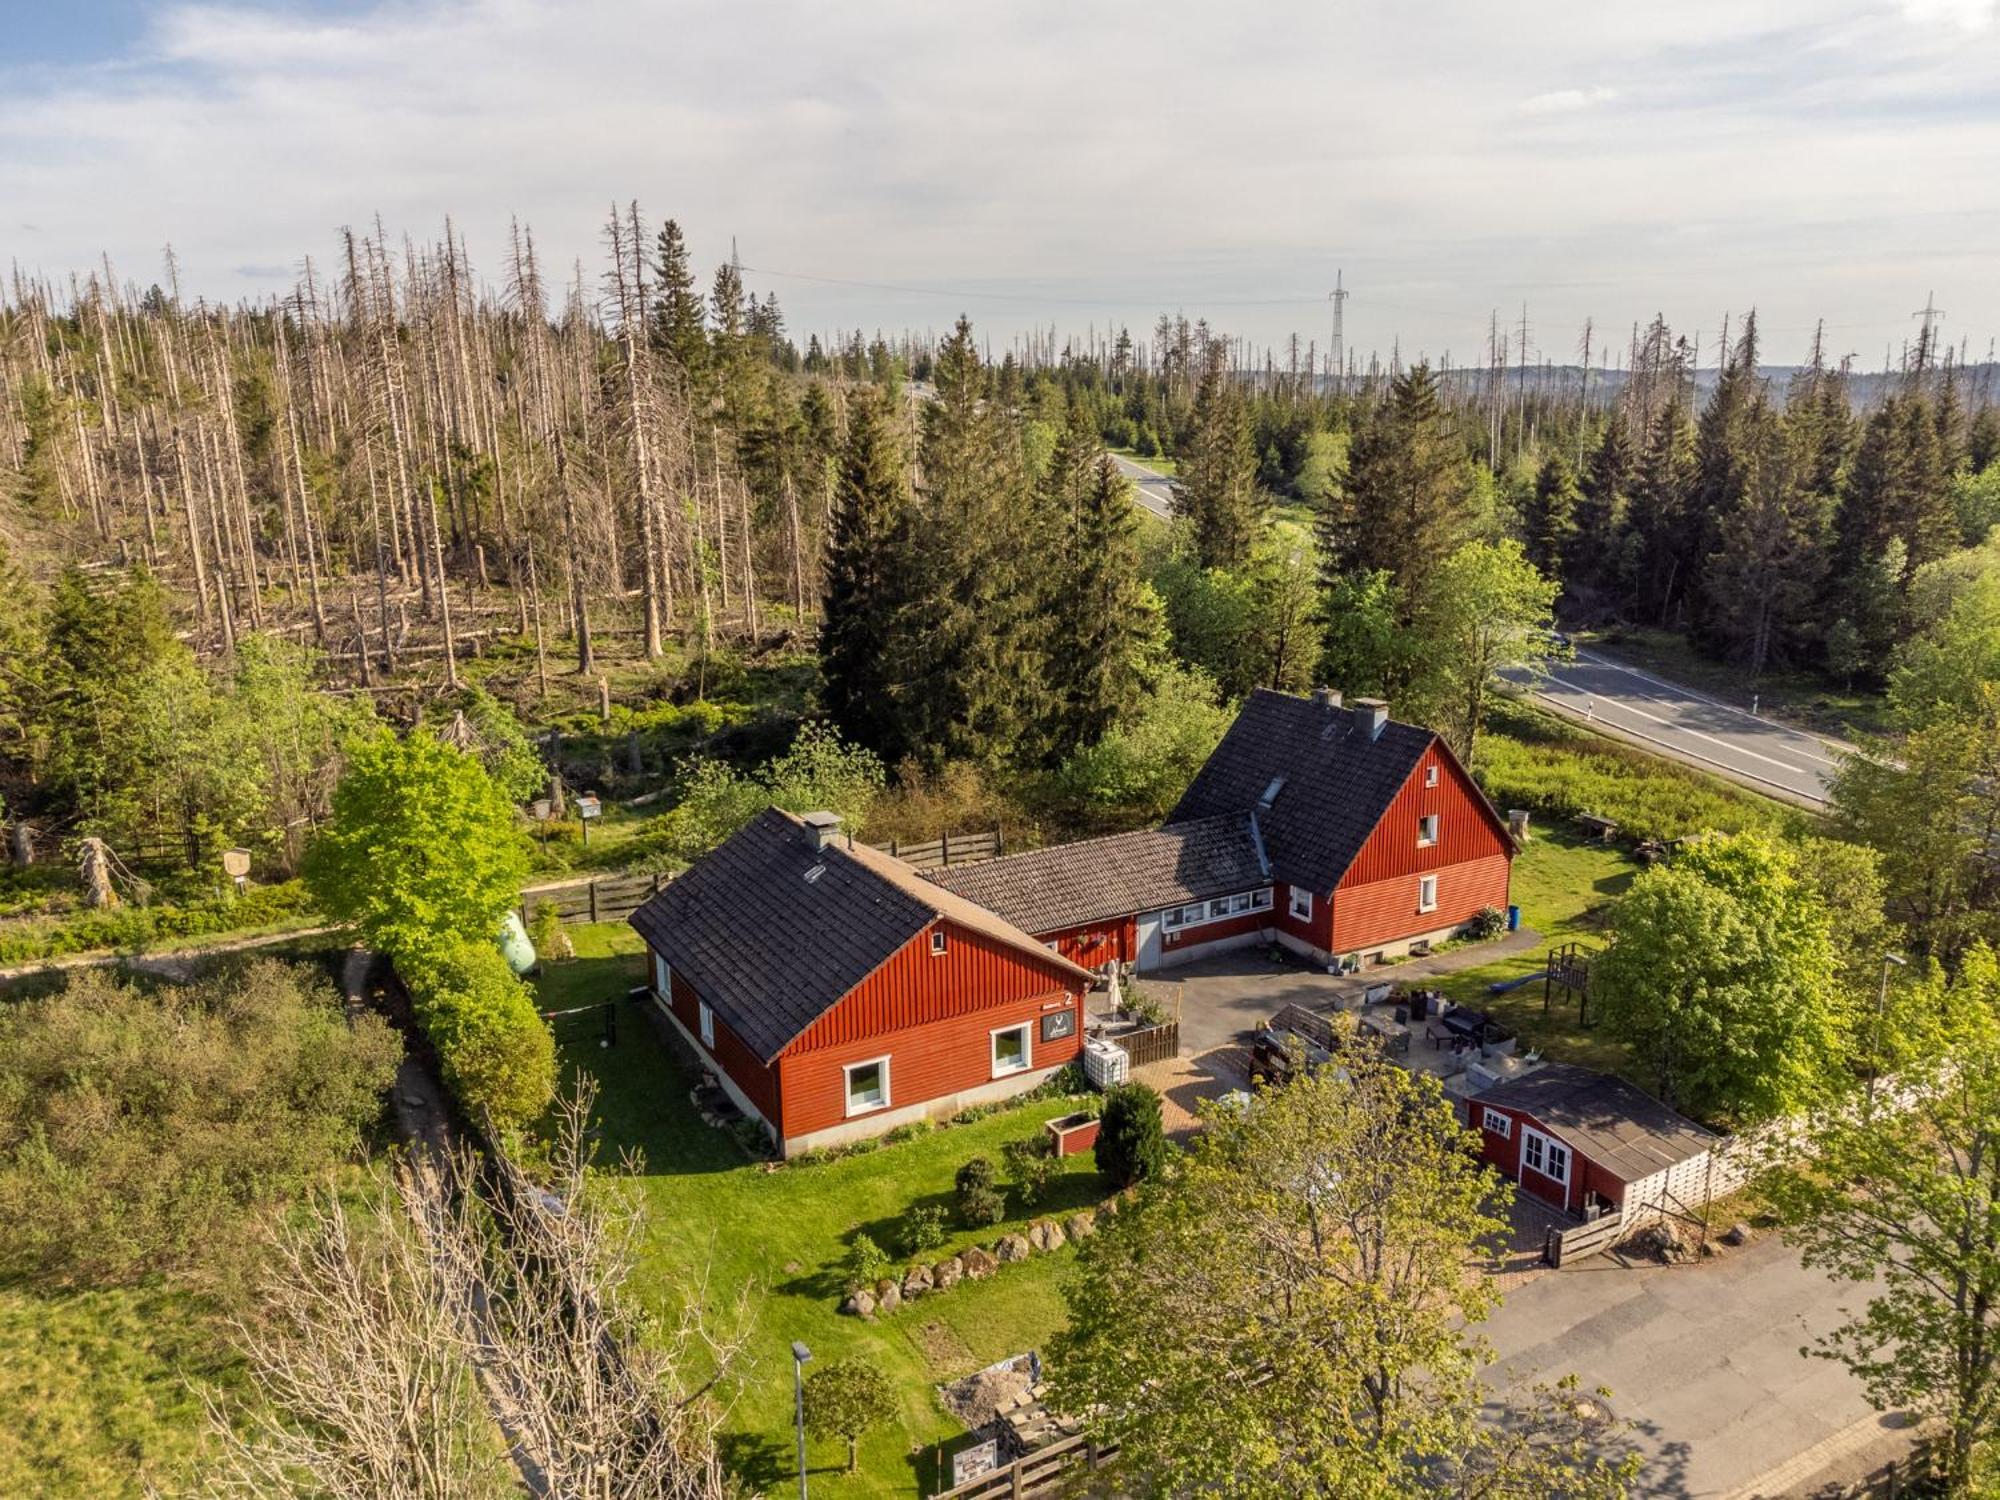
<point>888,1297</point>
<point>1082,1224</point>
<point>1664,1241</point>
<point>1012,1247</point>
<point>1046,1234</point>
<point>916,1281</point>
<point>1738,1234</point>
<point>947,1273</point>
<point>859,1305</point>
<point>978,1263</point>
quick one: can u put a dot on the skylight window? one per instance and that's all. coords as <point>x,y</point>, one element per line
<point>1271,792</point>
<point>814,873</point>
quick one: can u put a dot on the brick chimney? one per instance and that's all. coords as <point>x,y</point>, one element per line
<point>1371,714</point>
<point>823,826</point>
<point>1327,697</point>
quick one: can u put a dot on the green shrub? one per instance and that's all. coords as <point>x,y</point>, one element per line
<point>1487,922</point>
<point>867,1263</point>
<point>127,928</point>
<point>152,1129</point>
<point>1131,1141</point>
<point>923,1229</point>
<point>1031,1167</point>
<point>980,1201</point>
<point>497,1055</point>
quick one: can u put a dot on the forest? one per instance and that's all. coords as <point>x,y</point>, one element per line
<point>618,529</point>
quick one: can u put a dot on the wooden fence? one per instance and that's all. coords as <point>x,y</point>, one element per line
<point>1586,1239</point>
<point>952,849</point>
<point>1151,1044</point>
<point>603,898</point>
<point>1040,1473</point>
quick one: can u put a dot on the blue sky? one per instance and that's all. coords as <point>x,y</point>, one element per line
<point>1076,161</point>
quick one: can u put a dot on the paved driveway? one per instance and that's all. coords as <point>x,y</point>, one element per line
<point>1704,1358</point>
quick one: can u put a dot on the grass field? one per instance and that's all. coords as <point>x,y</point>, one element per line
<point>1804,698</point>
<point>1564,884</point>
<point>786,1232</point>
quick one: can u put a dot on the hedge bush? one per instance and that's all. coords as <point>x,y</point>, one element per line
<point>980,1201</point>
<point>1131,1139</point>
<point>496,1054</point>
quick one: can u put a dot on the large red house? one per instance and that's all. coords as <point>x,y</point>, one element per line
<point>837,993</point>
<point>1333,830</point>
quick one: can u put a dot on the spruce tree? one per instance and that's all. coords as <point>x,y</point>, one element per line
<point>1104,620</point>
<point>1726,442</point>
<point>1591,562</point>
<point>678,330</point>
<point>1664,541</point>
<point>862,578</point>
<point>1763,578</point>
<point>1982,447</point>
<point>1215,486</point>
<point>1897,490</point>
<point>1549,523</point>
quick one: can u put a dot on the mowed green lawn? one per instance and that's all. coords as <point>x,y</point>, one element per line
<point>712,1213</point>
<point>1564,883</point>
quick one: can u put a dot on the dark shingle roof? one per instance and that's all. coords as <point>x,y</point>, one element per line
<point>1336,781</point>
<point>772,950</point>
<point>1627,1132</point>
<point>1071,884</point>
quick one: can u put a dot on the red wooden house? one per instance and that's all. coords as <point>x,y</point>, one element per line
<point>836,992</point>
<point>1591,1144</point>
<point>1333,830</point>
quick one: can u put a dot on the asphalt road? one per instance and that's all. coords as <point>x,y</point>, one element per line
<point>1703,1359</point>
<point>1693,727</point>
<point>1150,490</point>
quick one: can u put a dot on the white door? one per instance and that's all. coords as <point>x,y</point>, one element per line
<point>1149,941</point>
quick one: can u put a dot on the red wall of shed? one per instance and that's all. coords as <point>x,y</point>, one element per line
<point>758,1081</point>
<point>1504,1155</point>
<point>1094,944</point>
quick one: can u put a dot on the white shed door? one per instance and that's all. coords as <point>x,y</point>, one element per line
<point>1149,941</point>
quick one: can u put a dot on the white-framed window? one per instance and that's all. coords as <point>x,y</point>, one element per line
<point>663,979</point>
<point>867,1085</point>
<point>938,941</point>
<point>1219,907</point>
<point>1174,918</point>
<point>707,1024</point>
<point>1260,900</point>
<point>1427,830</point>
<point>1541,1154</point>
<point>1301,905</point>
<point>1430,775</point>
<point>1013,1051</point>
<point>1496,1123</point>
<point>1427,892</point>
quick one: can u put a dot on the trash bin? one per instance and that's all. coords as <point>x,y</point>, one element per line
<point>1513,919</point>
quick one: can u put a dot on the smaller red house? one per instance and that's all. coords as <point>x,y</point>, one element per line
<point>836,993</point>
<point>1589,1143</point>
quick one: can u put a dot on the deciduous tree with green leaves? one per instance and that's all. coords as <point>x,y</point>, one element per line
<point>422,848</point>
<point>848,1398</point>
<point>1720,977</point>
<point>1904,1192</point>
<point>1286,1312</point>
<point>1488,611</point>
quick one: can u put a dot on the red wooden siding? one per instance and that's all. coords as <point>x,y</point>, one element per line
<point>1095,944</point>
<point>758,1081</point>
<point>1368,915</point>
<point>915,987</point>
<point>1466,827</point>
<point>927,1061</point>
<point>1176,938</point>
<point>1503,1153</point>
<point>1318,932</point>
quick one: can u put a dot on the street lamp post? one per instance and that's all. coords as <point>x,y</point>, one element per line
<point>1881,1004</point>
<point>801,1355</point>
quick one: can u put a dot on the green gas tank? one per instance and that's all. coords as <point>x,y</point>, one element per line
<point>515,945</point>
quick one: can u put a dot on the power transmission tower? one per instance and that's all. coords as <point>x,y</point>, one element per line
<point>1338,296</point>
<point>1931,313</point>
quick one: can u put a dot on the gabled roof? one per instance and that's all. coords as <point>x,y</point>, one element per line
<point>1333,782</point>
<point>1068,885</point>
<point>1625,1131</point>
<point>773,946</point>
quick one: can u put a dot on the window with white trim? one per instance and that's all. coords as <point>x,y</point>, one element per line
<point>1427,893</point>
<point>1544,1155</point>
<point>1430,775</point>
<point>707,1024</point>
<point>1427,830</point>
<point>1174,918</point>
<point>1495,1122</point>
<point>867,1085</point>
<point>1301,906</point>
<point>663,978</point>
<point>938,941</point>
<point>1012,1052</point>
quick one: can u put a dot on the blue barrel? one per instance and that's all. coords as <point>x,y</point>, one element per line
<point>1513,919</point>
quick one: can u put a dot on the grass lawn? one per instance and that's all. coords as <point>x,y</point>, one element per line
<point>1563,883</point>
<point>785,1233</point>
<point>100,1390</point>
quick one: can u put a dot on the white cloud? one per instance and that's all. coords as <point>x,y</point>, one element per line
<point>1078,163</point>
<point>1568,101</point>
<point>1965,15</point>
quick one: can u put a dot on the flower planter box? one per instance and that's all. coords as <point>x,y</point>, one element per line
<point>1072,1133</point>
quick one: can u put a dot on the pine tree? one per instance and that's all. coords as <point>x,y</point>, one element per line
<point>1897,490</point>
<point>1104,620</point>
<point>1409,500</point>
<point>1549,523</point>
<point>1764,575</point>
<point>1591,562</point>
<point>678,330</point>
<point>1726,447</point>
<point>1659,512</point>
<point>1982,447</point>
<point>1215,487</point>
<point>871,503</point>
